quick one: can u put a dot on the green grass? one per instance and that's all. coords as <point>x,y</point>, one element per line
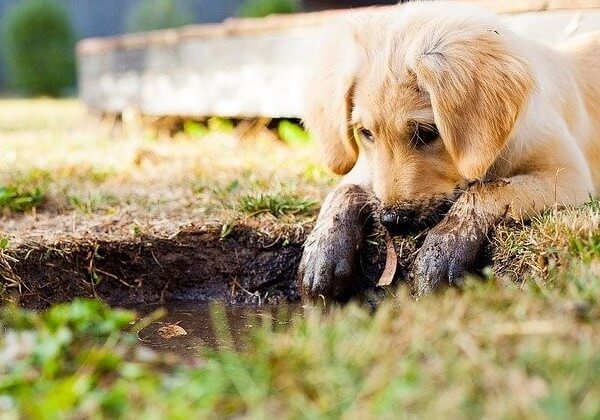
<point>25,192</point>
<point>275,204</point>
<point>486,352</point>
<point>552,242</point>
<point>89,203</point>
<point>292,133</point>
<point>19,200</point>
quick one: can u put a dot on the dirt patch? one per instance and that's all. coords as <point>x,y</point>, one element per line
<point>250,265</point>
<point>196,264</point>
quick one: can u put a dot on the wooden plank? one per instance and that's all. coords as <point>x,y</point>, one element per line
<point>277,23</point>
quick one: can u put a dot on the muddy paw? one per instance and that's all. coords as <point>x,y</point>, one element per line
<point>447,254</point>
<point>327,268</point>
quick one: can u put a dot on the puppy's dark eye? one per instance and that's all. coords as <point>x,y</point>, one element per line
<point>424,134</point>
<point>366,134</point>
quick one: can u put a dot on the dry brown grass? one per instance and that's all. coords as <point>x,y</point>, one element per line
<point>101,177</point>
<point>555,243</point>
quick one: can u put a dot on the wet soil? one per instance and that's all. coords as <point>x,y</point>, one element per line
<point>248,267</point>
<point>196,264</point>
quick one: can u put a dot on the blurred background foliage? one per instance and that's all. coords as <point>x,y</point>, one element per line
<point>39,47</point>
<point>262,8</point>
<point>149,15</point>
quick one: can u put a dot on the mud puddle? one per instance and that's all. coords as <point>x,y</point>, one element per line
<point>187,327</point>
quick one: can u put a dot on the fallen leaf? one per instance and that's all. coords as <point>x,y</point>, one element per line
<point>391,263</point>
<point>171,331</point>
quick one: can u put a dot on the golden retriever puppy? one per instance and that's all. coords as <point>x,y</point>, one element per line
<point>440,109</point>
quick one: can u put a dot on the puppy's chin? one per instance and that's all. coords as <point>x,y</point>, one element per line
<point>412,217</point>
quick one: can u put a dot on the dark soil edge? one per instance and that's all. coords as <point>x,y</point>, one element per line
<point>245,267</point>
<point>253,264</point>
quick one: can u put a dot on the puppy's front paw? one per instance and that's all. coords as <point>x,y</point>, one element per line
<point>327,268</point>
<point>446,255</point>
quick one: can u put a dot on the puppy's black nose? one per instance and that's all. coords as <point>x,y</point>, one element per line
<point>398,222</point>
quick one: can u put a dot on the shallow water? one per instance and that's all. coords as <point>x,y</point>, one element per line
<point>189,326</point>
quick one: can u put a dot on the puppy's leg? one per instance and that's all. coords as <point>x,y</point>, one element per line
<point>330,253</point>
<point>453,246</point>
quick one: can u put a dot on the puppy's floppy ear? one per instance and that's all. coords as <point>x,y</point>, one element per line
<point>478,87</point>
<point>328,104</point>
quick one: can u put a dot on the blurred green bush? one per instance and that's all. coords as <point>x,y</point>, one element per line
<point>261,8</point>
<point>39,47</point>
<point>149,15</point>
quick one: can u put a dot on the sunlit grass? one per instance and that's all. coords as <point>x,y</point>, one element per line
<point>275,204</point>
<point>92,203</point>
<point>18,200</point>
<point>97,169</point>
<point>25,191</point>
<point>555,241</point>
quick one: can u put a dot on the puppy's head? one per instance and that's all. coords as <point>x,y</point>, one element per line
<point>429,93</point>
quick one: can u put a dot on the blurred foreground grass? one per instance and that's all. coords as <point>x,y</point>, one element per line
<point>487,352</point>
<point>522,344</point>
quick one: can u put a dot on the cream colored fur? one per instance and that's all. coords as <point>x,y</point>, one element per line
<point>519,126</point>
<point>505,106</point>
